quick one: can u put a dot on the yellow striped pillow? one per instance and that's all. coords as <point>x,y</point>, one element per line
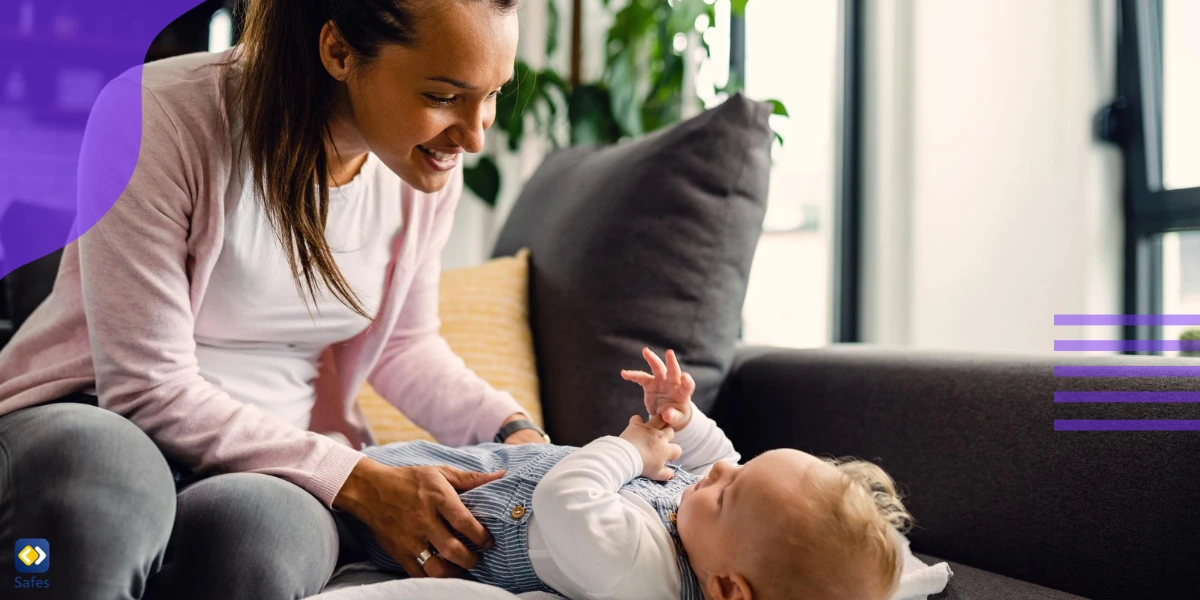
<point>485,318</point>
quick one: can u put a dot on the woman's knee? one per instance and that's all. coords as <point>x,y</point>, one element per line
<point>93,485</point>
<point>252,535</point>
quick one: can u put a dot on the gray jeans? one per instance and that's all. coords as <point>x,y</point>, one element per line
<point>123,524</point>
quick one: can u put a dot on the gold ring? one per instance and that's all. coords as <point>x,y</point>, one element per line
<point>425,555</point>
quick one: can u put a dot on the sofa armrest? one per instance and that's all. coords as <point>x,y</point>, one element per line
<point>971,439</point>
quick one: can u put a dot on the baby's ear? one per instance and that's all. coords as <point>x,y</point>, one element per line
<point>729,587</point>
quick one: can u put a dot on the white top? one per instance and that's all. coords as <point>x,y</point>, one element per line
<point>587,539</point>
<point>255,337</point>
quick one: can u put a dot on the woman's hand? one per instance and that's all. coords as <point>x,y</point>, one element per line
<point>668,392</point>
<point>408,510</point>
<point>653,442</point>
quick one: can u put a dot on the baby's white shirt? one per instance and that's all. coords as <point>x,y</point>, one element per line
<point>589,540</point>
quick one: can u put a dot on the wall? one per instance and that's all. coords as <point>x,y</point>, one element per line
<point>990,207</point>
<point>475,224</point>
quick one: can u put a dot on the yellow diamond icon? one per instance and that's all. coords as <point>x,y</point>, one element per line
<point>28,555</point>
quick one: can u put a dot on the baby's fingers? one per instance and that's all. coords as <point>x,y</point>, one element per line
<point>638,377</point>
<point>689,384</point>
<point>671,416</point>
<point>673,370</point>
<point>674,451</point>
<point>656,363</point>
<point>663,474</point>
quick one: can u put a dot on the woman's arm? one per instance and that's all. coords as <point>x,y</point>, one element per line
<point>135,266</point>
<point>418,373</point>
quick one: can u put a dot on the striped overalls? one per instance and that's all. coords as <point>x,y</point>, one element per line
<point>505,505</point>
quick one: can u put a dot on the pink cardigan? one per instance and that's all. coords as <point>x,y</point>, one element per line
<point>122,312</point>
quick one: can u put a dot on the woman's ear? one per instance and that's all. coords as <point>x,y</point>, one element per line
<point>729,587</point>
<point>335,52</point>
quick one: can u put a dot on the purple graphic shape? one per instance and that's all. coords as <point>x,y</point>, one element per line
<point>67,150</point>
<point>1126,345</point>
<point>1127,371</point>
<point>1127,396</point>
<point>1127,319</point>
<point>1126,425</point>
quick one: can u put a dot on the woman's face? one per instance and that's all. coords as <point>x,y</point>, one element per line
<point>419,107</point>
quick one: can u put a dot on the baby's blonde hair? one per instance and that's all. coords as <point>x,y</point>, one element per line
<point>846,543</point>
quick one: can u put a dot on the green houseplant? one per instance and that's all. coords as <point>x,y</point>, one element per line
<point>642,88</point>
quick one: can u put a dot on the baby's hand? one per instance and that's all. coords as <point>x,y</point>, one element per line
<point>668,390</point>
<point>653,442</point>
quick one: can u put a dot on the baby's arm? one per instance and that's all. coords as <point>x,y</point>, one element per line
<point>597,539</point>
<point>703,444</point>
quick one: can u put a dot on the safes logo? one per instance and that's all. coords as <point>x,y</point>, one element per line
<point>33,555</point>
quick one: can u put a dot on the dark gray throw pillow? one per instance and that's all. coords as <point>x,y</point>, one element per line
<point>644,243</point>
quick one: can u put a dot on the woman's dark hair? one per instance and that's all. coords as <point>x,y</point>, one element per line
<point>285,98</point>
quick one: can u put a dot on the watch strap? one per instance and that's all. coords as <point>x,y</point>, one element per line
<point>515,426</point>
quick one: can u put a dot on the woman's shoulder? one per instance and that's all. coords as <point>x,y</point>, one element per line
<point>186,92</point>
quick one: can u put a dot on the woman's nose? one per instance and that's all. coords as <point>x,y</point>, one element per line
<point>472,127</point>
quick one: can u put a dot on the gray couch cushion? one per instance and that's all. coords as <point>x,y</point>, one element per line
<point>973,584</point>
<point>645,243</point>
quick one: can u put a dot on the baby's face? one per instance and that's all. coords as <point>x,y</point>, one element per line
<point>723,516</point>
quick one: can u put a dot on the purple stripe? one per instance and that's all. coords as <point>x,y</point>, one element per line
<point>1126,425</point>
<point>1127,396</point>
<point>1127,371</point>
<point>1126,345</point>
<point>1127,319</point>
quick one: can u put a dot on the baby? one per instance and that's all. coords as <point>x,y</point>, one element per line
<point>615,519</point>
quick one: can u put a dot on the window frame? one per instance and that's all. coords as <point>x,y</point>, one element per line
<point>846,307</point>
<point>1134,122</point>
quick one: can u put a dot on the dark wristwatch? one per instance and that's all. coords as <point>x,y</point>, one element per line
<point>516,426</point>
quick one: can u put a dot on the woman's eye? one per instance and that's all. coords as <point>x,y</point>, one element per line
<point>440,101</point>
<point>495,94</point>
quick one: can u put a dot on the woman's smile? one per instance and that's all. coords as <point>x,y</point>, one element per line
<point>440,160</point>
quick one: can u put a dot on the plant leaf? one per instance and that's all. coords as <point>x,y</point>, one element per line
<point>483,180</point>
<point>738,7</point>
<point>552,18</point>
<point>777,108</point>
<point>590,113</point>
<point>683,17</point>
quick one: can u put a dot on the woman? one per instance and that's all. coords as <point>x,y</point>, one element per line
<point>276,246</point>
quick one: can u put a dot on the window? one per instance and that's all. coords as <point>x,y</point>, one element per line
<point>1158,128</point>
<point>1181,94</point>
<point>220,31</point>
<point>791,52</point>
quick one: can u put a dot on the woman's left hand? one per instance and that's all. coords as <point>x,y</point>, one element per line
<point>523,436</point>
